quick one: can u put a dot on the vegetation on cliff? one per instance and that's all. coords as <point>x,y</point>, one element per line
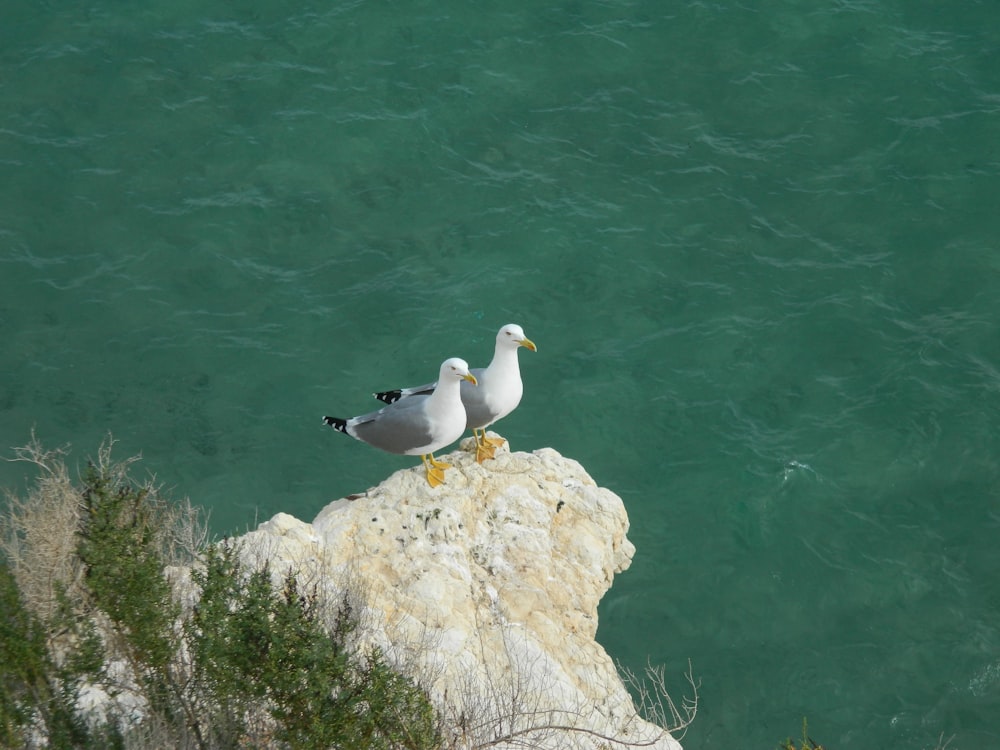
<point>96,651</point>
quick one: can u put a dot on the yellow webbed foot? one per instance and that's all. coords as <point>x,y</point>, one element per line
<point>438,464</point>
<point>486,447</point>
<point>435,470</point>
<point>484,452</point>
<point>435,477</point>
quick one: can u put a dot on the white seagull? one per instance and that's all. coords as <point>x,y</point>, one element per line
<point>419,425</point>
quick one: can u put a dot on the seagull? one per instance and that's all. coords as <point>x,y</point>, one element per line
<point>419,425</point>
<point>498,394</point>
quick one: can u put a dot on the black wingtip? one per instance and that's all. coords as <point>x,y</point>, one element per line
<point>336,423</point>
<point>389,397</point>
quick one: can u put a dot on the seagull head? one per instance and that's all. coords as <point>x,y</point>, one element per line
<point>512,335</point>
<point>456,367</point>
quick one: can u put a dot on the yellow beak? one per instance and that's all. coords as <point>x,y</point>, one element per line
<point>528,344</point>
<point>471,378</point>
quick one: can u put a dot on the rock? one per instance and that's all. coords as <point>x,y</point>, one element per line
<point>486,589</point>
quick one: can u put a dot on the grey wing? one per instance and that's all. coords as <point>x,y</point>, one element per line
<point>396,428</point>
<point>391,397</point>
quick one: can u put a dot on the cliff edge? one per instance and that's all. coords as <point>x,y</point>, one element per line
<point>486,589</point>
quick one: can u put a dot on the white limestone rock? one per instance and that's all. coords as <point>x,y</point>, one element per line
<point>486,588</point>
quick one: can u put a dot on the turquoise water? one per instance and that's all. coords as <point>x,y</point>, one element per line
<point>756,244</point>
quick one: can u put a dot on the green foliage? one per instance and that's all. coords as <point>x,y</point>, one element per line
<point>250,666</point>
<point>124,570</point>
<point>118,544</point>
<point>399,712</point>
<point>807,743</point>
<point>255,647</point>
<point>23,661</point>
<point>33,689</point>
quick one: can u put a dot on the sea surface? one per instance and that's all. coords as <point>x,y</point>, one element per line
<point>756,243</point>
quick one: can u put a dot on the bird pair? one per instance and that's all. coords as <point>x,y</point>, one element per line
<point>418,421</point>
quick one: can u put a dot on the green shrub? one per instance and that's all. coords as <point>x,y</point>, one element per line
<point>123,568</point>
<point>807,743</point>
<point>123,574</point>
<point>259,649</point>
<point>34,690</point>
<point>249,666</point>
<point>23,661</point>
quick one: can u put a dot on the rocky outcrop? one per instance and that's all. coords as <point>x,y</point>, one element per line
<point>486,589</point>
